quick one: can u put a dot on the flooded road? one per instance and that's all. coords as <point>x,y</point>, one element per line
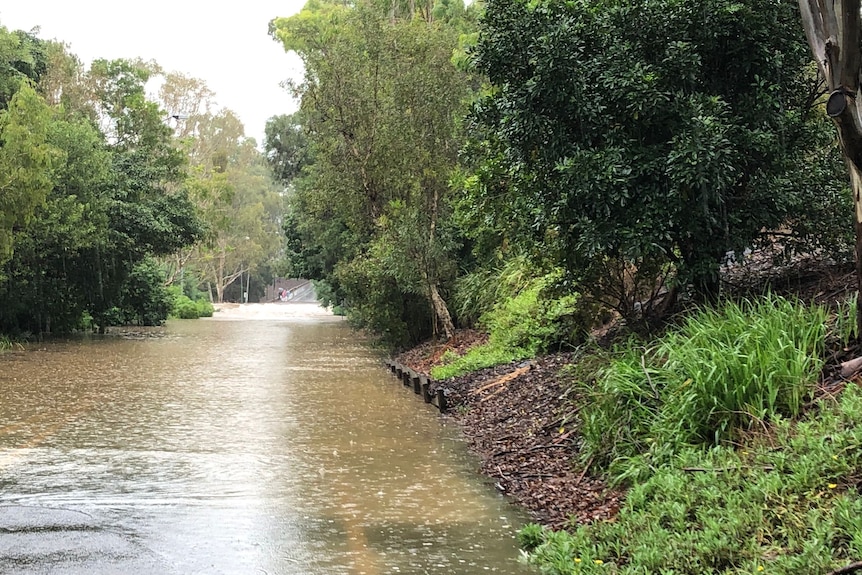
<point>234,447</point>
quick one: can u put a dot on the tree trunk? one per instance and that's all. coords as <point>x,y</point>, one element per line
<point>833,30</point>
<point>442,312</point>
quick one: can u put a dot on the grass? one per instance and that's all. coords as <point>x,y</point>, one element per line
<point>721,372</point>
<point>7,343</point>
<point>521,326</point>
<point>786,503</point>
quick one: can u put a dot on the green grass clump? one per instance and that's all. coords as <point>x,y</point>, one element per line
<point>519,327</point>
<point>7,343</point>
<point>786,502</point>
<point>721,371</point>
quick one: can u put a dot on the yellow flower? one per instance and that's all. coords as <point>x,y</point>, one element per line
<point>835,457</point>
<point>832,485</point>
<point>598,561</point>
<point>760,567</point>
<point>577,559</point>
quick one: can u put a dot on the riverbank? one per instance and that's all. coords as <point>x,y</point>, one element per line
<point>736,434</point>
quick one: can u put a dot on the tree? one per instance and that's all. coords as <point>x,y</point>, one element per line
<point>380,102</point>
<point>642,136</point>
<point>110,200</point>
<point>834,32</point>
<point>26,161</point>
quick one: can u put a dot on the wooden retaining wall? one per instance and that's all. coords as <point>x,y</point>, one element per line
<point>421,384</point>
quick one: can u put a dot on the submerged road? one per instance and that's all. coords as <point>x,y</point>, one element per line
<point>268,440</point>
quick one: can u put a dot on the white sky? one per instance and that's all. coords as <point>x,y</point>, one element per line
<point>224,44</point>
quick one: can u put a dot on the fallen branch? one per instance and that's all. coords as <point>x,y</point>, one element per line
<point>584,472</point>
<point>847,569</point>
<point>489,396</point>
<point>851,366</point>
<point>504,379</point>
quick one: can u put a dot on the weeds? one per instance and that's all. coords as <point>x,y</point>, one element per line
<point>7,343</point>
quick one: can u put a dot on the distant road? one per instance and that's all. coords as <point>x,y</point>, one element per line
<point>272,311</point>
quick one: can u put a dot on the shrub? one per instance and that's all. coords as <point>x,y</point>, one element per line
<point>186,308</point>
<point>204,308</point>
<point>145,299</point>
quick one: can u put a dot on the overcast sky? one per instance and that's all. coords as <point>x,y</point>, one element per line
<point>227,48</point>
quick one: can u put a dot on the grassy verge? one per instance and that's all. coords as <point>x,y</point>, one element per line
<point>726,473</point>
<point>7,343</point>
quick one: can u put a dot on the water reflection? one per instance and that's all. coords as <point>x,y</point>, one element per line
<point>230,447</point>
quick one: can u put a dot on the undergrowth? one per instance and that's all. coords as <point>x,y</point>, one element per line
<point>786,503</point>
<point>7,343</point>
<point>523,325</point>
<point>720,372</point>
<point>727,473</point>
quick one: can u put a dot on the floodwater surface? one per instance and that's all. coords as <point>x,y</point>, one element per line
<point>235,447</point>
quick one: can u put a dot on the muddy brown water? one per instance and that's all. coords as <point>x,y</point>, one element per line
<point>236,447</point>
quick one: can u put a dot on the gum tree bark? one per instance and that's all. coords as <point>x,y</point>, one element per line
<point>833,31</point>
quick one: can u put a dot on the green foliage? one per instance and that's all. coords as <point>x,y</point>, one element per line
<point>525,324</point>
<point>23,61</point>
<point>26,161</point>
<point>530,536</point>
<point>145,299</point>
<point>786,510</point>
<point>373,301</point>
<point>7,343</point>
<point>477,293</point>
<point>286,145</point>
<point>630,132</point>
<point>721,371</point>
<point>204,307</point>
<point>370,208</point>
<point>183,307</point>
<point>846,329</point>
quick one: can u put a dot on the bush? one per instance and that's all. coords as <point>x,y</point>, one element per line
<point>145,299</point>
<point>186,308</point>
<point>205,308</point>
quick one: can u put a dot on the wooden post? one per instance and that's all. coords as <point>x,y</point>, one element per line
<point>426,389</point>
<point>406,377</point>
<point>399,371</point>
<point>417,387</point>
<point>441,399</point>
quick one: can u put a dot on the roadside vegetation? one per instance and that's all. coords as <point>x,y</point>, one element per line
<point>735,460</point>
